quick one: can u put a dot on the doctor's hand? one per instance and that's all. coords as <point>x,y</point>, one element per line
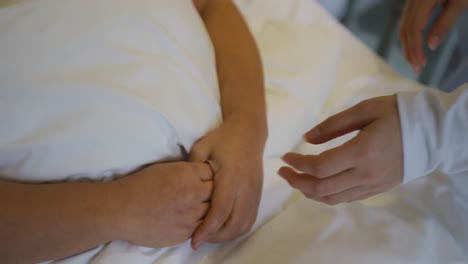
<point>368,164</point>
<point>415,18</point>
<point>236,157</point>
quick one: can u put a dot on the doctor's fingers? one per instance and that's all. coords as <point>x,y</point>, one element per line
<point>316,188</point>
<point>403,21</point>
<point>349,120</point>
<point>352,195</point>
<point>329,162</point>
<point>453,9</point>
<point>416,18</point>
<point>222,202</point>
<point>345,196</point>
<point>366,196</point>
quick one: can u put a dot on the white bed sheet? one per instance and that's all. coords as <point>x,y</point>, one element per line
<point>307,53</point>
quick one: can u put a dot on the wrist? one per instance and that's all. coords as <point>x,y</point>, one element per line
<point>112,220</point>
<point>253,124</point>
<point>252,130</point>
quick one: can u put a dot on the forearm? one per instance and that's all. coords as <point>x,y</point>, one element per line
<point>49,221</point>
<point>238,65</point>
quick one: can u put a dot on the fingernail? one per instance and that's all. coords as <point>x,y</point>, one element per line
<point>434,42</point>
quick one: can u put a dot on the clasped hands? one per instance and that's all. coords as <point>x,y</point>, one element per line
<point>168,203</point>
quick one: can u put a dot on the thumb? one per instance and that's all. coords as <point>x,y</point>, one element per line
<point>352,119</point>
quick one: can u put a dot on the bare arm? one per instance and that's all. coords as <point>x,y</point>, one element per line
<point>238,64</point>
<point>49,221</point>
<point>40,222</point>
<point>235,149</point>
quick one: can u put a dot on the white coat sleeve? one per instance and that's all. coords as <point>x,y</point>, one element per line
<point>434,127</point>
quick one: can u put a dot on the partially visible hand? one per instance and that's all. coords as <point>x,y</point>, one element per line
<point>415,19</point>
<point>163,204</point>
<point>236,156</point>
<point>368,164</point>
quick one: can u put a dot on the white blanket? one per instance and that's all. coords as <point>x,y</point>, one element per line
<point>99,88</point>
<point>310,58</point>
<point>422,222</point>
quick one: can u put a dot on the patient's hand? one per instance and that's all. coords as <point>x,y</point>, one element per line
<point>162,204</point>
<point>236,156</point>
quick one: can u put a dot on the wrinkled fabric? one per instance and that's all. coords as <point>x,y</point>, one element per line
<point>317,70</point>
<point>434,127</point>
<point>94,89</point>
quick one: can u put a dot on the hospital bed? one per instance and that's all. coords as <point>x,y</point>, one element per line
<point>314,68</point>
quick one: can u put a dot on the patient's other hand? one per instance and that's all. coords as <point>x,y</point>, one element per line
<point>368,164</point>
<point>414,21</point>
<point>236,155</point>
<point>163,204</point>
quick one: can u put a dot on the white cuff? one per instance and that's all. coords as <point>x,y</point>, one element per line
<point>434,130</point>
<point>415,149</point>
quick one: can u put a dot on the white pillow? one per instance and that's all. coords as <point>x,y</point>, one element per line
<point>97,88</point>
